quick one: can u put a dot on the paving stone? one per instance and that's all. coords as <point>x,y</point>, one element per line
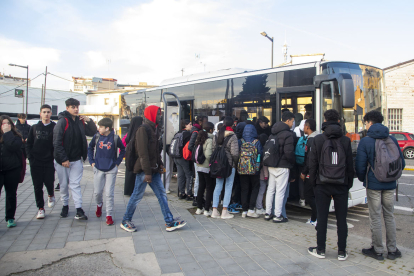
<point>166,269</point>
<point>214,271</point>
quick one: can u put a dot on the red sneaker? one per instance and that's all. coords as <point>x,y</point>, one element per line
<point>98,211</point>
<point>109,220</point>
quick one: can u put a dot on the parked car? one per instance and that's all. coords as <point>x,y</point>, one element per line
<point>406,142</point>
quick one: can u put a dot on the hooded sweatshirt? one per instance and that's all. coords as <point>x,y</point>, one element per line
<point>207,151</point>
<point>286,145</point>
<point>299,128</point>
<point>39,146</point>
<point>366,154</point>
<point>146,144</point>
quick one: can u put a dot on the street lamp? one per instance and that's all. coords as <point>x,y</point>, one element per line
<point>27,84</point>
<point>271,39</point>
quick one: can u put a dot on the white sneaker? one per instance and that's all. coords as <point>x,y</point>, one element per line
<point>244,214</point>
<point>226,215</point>
<point>260,211</point>
<point>302,202</point>
<point>51,201</point>
<point>199,211</point>
<point>215,214</point>
<point>41,214</point>
<point>313,223</point>
<point>252,214</point>
<point>208,213</point>
<point>168,191</point>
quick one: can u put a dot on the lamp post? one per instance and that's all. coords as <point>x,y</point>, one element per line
<point>271,39</point>
<point>27,84</point>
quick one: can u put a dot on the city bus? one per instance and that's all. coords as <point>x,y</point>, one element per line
<point>350,88</point>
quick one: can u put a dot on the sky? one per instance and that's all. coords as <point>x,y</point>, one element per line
<point>149,41</point>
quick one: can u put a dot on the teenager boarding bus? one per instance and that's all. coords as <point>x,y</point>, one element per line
<point>350,88</point>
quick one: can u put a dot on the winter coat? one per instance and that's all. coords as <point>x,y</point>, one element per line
<point>232,147</point>
<point>68,144</point>
<point>24,131</point>
<point>194,132</point>
<point>239,130</point>
<point>308,148</point>
<point>39,145</point>
<point>207,150</point>
<point>105,158</point>
<point>10,152</point>
<point>366,155</point>
<point>331,130</point>
<point>261,130</point>
<point>146,146</point>
<point>286,145</point>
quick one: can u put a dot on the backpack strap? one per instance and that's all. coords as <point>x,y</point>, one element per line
<point>66,128</point>
<point>302,133</point>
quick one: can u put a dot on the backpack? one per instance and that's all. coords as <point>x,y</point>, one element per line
<point>130,152</point>
<point>176,146</point>
<point>249,161</point>
<point>198,156</point>
<point>97,136</point>
<point>187,154</point>
<point>219,164</point>
<point>388,163</point>
<point>271,152</point>
<point>332,165</point>
<point>300,150</point>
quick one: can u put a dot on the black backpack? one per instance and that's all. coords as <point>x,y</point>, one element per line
<point>271,154</point>
<point>130,152</point>
<point>332,165</point>
<point>176,146</point>
<point>219,164</point>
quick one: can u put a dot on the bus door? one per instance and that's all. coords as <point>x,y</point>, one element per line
<point>186,110</point>
<point>300,102</point>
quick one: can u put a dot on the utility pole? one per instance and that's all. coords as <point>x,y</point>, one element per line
<point>41,99</point>
<point>27,91</point>
<point>44,93</point>
<point>182,72</point>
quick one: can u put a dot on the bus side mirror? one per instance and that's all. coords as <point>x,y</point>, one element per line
<point>347,92</point>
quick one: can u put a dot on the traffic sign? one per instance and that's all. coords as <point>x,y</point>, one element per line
<point>19,93</point>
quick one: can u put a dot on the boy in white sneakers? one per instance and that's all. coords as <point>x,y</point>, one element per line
<point>102,155</point>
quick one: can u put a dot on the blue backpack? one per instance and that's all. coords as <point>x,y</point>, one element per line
<point>300,150</point>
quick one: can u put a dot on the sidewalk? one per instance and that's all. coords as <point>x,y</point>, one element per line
<point>204,246</point>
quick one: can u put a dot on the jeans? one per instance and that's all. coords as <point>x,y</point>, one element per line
<point>183,175</point>
<point>236,193</point>
<point>228,189</point>
<point>70,178</point>
<point>323,194</point>
<point>250,185</point>
<point>207,184</point>
<point>10,180</point>
<point>196,180</point>
<point>278,182</point>
<point>105,180</point>
<point>169,164</point>
<point>262,190</point>
<point>382,200</point>
<point>138,193</point>
<point>42,175</point>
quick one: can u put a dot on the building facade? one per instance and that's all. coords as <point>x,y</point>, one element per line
<point>399,88</point>
<point>81,84</point>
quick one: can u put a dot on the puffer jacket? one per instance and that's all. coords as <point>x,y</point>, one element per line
<point>232,147</point>
<point>10,152</point>
<point>207,150</point>
<point>239,129</point>
<point>366,155</point>
<point>194,132</point>
<point>286,145</point>
<point>24,131</point>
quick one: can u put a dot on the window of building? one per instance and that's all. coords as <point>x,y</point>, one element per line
<point>395,119</point>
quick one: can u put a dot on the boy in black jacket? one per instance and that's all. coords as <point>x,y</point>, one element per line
<point>39,148</point>
<point>23,127</point>
<point>331,172</point>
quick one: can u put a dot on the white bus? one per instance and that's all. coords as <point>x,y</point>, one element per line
<point>351,88</point>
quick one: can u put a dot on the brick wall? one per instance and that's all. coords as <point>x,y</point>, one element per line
<point>399,88</point>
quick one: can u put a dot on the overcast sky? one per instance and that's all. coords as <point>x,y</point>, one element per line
<point>148,41</point>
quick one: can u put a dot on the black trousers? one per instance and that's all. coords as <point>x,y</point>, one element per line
<point>323,195</point>
<point>10,180</point>
<point>310,199</point>
<point>129,182</point>
<point>236,191</point>
<point>42,175</point>
<point>250,185</point>
<point>207,183</point>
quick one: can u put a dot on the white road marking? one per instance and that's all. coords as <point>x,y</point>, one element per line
<point>404,208</point>
<point>404,174</point>
<point>405,184</point>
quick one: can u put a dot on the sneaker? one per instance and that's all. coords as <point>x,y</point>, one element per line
<point>175,225</point>
<point>199,211</point>
<point>11,223</point>
<point>268,217</point>
<point>394,255</point>
<point>208,213</point>
<point>238,206</point>
<point>190,197</point>
<point>252,214</point>
<point>64,213</point>
<point>57,188</point>
<point>260,211</point>
<point>302,202</point>
<point>182,196</point>
<point>168,191</point>
<point>128,226</point>
<point>80,214</point>
<point>51,201</point>
<point>109,220</point>
<point>215,214</point>
<point>195,201</point>
<point>232,210</point>
<point>278,219</point>
<point>226,215</point>
<point>313,223</point>
<point>285,219</point>
<point>244,214</point>
<point>98,211</point>
<point>317,253</point>
<point>41,214</point>
<point>342,255</point>
<point>370,252</point>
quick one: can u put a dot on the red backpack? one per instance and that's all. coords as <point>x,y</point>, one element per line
<point>67,126</point>
<point>187,154</point>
